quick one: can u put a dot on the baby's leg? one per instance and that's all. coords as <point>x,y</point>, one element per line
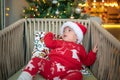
<point>73,75</point>
<point>31,69</point>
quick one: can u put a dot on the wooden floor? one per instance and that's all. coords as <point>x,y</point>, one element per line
<point>114,29</point>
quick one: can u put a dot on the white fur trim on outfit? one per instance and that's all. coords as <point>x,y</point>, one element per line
<point>25,76</point>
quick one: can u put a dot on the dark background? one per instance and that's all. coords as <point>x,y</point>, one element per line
<point>115,32</point>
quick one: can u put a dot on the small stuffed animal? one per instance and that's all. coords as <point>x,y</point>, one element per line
<point>39,50</point>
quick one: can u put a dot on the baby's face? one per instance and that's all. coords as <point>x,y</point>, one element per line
<point>69,35</point>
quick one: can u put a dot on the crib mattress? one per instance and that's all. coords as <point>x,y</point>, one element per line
<point>38,77</point>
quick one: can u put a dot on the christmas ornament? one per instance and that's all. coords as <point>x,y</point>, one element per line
<point>39,50</point>
<point>43,1</point>
<point>57,12</point>
<point>82,14</point>
<point>54,1</point>
<point>77,10</point>
<point>72,17</point>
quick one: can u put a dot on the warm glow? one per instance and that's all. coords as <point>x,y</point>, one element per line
<point>26,17</point>
<point>93,3</point>
<point>7,9</point>
<point>111,25</point>
<point>47,14</point>
<point>114,4</point>
<point>94,6</point>
<point>94,0</point>
<point>51,16</point>
<point>83,5</point>
<point>72,17</point>
<point>32,8</point>
<point>102,0</point>
<point>23,10</point>
<point>6,14</point>
<point>38,14</point>
<point>36,9</point>
<point>64,11</point>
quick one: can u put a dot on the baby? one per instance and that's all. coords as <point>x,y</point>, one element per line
<point>66,56</point>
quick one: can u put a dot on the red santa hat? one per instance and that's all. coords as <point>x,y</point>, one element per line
<point>79,29</point>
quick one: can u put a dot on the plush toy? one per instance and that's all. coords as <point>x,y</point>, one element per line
<point>39,50</point>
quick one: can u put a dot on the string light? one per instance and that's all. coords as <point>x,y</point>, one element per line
<point>94,0</point>
<point>6,14</point>
<point>23,11</point>
<point>102,0</point>
<point>72,17</point>
<point>7,9</point>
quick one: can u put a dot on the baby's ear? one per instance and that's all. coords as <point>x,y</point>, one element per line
<point>77,41</point>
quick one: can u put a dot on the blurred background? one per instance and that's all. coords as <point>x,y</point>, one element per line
<point>105,12</point>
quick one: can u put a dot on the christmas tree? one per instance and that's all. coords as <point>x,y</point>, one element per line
<point>55,9</point>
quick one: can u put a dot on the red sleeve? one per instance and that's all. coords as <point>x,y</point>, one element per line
<point>87,59</point>
<point>50,42</point>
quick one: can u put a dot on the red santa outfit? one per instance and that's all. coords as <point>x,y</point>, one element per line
<point>65,58</point>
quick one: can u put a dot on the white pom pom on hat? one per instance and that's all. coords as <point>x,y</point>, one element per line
<point>79,29</point>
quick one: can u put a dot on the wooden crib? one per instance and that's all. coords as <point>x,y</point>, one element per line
<point>17,44</point>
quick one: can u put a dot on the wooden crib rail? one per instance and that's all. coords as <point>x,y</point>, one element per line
<point>107,65</point>
<point>11,49</point>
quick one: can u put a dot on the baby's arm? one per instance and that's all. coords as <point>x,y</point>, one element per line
<point>51,42</point>
<point>89,59</point>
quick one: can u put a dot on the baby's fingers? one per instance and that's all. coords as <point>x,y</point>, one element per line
<point>95,49</point>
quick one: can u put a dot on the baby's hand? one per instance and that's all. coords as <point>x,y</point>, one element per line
<point>95,49</point>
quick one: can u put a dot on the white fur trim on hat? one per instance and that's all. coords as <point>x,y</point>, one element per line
<point>75,27</point>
